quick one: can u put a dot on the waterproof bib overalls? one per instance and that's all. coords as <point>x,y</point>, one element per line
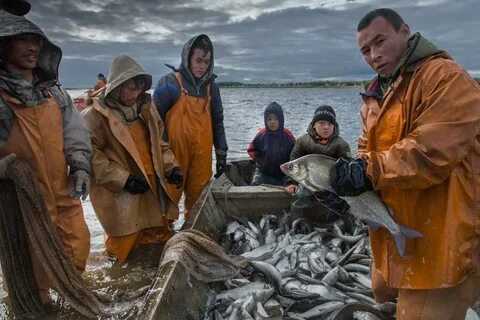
<point>37,137</point>
<point>190,134</point>
<point>121,246</point>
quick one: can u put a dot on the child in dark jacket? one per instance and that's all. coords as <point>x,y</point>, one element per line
<point>322,137</point>
<point>271,147</point>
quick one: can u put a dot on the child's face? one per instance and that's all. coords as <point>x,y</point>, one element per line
<point>199,62</point>
<point>272,122</point>
<point>324,129</point>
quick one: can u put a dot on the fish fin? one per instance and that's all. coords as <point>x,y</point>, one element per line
<point>410,233</point>
<point>401,237</point>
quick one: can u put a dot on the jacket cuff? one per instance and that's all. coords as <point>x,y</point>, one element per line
<point>79,165</point>
<point>373,167</point>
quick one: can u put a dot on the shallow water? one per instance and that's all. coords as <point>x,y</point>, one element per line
<point>243,113</point>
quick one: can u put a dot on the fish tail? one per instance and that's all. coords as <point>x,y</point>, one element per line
<point>410,233</point>
<point>401,237</point>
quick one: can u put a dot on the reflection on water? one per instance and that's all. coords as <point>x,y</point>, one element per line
<point>243,113</point>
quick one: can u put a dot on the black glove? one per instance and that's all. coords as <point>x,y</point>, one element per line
<point>221,164</point>
<point>175,177</point>
<point>136,185</point>
<point>16,7</point>
<point>333,202</point>
<point>349,178</point>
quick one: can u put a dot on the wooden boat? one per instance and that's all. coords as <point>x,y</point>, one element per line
<point>177,296</point>
<point>234,194</point>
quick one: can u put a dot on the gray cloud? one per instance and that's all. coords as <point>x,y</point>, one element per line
<point>256,40</point>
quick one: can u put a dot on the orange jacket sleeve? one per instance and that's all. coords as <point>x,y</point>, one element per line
<point>444,126</point>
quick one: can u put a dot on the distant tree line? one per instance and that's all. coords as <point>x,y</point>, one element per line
<point>308,84</point>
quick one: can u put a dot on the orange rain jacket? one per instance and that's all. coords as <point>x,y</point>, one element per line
<point>422,142</point>
<point>40,125</point>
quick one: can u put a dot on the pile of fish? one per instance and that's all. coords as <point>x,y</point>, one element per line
<point>298,270</point>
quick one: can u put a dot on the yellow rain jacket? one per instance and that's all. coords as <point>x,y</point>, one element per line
<point>124,147</point>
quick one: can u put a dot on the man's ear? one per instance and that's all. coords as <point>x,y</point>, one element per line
<point>405,30</point>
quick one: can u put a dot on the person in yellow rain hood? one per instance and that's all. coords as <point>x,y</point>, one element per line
<point>189,102</point>
<point>132,165</point>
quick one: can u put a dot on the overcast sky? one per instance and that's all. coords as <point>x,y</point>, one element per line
<point>255,40</point>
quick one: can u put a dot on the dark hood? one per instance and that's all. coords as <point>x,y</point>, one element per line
<point>419,48</point>
<point>50,55</point>
<point>185,68</point>
<point>277,110</point>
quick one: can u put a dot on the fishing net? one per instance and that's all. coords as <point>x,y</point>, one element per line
<point>15,256</point>
<point>26,229</point>
<point>201,256</point>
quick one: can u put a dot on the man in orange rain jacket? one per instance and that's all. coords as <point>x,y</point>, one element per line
<point>189,102</point>
<point>420,149</point>
<point>38,124</point>
<point>132,165</point>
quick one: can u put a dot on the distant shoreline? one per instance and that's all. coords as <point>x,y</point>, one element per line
<point>313,84</point>
<point>310,84</point>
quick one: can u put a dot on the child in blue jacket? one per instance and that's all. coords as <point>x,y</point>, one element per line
<point>271,147</point>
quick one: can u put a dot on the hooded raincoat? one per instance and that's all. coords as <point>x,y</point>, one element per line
<point>269,149</point>
<point>128,141</point>
<point>421,137</point>
<point>40,125</point>
<point>193,114</point>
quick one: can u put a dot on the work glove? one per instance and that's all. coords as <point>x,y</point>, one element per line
<point>175,177</point>
<point>333,202</point>
<point>4,163</point>
<point>349,178</point>
<point>81,184</point>
<point>136,185</point>
<point>16,7</point>
<point>221,164</point>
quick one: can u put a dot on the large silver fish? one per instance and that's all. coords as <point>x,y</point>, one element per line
<point>313,172</point>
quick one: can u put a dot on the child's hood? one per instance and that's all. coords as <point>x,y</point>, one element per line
<point>277,110</point>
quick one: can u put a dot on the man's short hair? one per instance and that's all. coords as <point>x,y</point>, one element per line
<point>388,14</point>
